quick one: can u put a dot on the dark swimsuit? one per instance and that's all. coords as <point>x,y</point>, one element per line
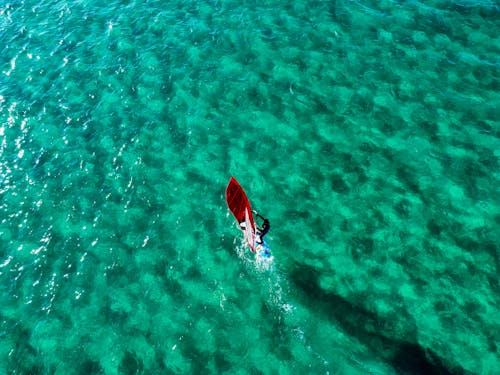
<point>265,228</point>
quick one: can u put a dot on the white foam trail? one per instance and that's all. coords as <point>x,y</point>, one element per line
<point>265,266</point>
<point>276,286</point>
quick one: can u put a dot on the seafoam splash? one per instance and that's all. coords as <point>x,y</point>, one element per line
<point>274,287</point>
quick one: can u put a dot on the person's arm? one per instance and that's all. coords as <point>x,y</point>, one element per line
<point>259,215</point>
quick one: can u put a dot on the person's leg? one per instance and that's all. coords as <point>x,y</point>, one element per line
<point>258,237</point>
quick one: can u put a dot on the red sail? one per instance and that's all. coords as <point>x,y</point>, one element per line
<point>238,204</point>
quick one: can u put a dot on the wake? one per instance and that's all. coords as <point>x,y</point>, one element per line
<point>275,288</point>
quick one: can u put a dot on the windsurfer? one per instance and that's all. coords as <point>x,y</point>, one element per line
<point>261,232</point>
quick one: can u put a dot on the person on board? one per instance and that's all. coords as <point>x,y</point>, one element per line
<point>261,232</point>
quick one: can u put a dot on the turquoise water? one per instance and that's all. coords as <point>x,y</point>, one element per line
<point>367,131</point>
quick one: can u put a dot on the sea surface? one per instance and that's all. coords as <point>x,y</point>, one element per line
<point>368,132</point>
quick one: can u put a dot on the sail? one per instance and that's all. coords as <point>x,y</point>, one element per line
<point>239,205</point>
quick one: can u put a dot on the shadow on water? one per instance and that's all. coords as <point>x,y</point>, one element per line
<point>405,355</point>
